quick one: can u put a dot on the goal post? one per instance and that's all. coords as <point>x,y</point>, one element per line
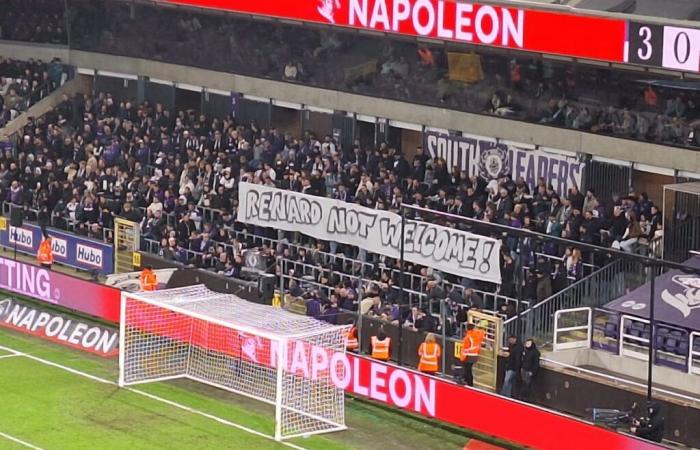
<point>249,349</point>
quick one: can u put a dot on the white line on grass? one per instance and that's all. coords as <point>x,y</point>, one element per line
<point>19,441</point>
<point>151,396</point>
<point>9,356</point>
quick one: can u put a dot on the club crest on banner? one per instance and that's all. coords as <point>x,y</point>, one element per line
<point>687,300</point>
<point>631,304</point>
<point>326,9</point>
<point>494,163</point>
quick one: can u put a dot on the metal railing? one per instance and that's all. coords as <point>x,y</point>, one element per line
<point>602,286</point>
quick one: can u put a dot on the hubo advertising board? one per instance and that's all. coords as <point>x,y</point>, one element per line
<point>68,249</point>
<point>80,334</point>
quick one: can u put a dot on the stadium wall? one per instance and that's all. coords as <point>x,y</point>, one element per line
<point>541,135</point>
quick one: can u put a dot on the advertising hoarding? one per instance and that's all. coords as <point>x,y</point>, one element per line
<point>610,39</point>
<point>58,289</point>
<point>68,249</point>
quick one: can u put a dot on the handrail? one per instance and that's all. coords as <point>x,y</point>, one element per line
<point>563,291</point>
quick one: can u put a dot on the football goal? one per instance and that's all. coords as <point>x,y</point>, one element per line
<point>224,341</point>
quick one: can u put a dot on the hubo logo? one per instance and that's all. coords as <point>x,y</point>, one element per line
<point>326,8</point>
<point>21,237</point>
<point>687,300</point>
<point>59,247</point>
<point>89,255</point>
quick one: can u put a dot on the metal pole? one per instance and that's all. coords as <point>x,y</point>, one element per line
<point>443,319</point>
<point>402,280</point>
<point>519,288</point>
<point>652,338</point>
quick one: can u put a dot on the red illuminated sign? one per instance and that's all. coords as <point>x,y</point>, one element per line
<point>431,397</point>
<point>516,28</point>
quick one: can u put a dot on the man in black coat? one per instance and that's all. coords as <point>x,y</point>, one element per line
<point>513,366</point>
<point>529,367</point>
<point>651,427</point>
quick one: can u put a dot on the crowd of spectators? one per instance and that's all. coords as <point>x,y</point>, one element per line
<point>23,83</point>
<point>33,21</point>
<point>593,99</point>
<point>624,104</point>
<point>177,176</point>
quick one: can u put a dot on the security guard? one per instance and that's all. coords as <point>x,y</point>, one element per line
<point>148,279</point>
<point>45,253</point>
<point>429,352</point>
<point>471,346</point>
<point>380,346</point>
<point>352,344</point>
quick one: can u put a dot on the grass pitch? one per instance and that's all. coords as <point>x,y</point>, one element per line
<point>47,407</point>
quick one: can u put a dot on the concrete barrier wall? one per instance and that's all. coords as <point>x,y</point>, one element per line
<point>544,136</point>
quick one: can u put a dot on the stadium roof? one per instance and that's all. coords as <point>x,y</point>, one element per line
<point>676,298</point>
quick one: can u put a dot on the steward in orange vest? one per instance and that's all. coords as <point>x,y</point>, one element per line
<point>148,279</point>
<point>352,344</point>
<point>430,353</point>
<point>45,253</point>
<point>471,346</point>
<point>380,346</point>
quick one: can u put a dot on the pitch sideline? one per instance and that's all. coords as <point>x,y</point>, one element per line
<point>142,393</point>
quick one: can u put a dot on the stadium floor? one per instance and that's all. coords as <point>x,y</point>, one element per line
<point>49,407</point>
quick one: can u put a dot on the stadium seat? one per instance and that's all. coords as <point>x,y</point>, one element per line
<point>610,330</point>
<point>670,345</point>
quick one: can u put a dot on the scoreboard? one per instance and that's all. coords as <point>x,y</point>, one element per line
<point>550,31</point>
<point>663,46</point>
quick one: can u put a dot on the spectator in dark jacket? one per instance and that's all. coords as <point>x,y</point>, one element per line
<point>530,366</point>
<point>650,427</point>
<point>514,356</point>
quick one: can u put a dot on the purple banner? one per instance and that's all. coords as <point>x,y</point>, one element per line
<point>491,159</point>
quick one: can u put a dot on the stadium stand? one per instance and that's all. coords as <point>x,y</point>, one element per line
<point>94,158</point>
<point>624,104</point>
<point>23,83</point>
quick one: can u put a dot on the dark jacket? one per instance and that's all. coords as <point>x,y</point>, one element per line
<point>652,427</point>
<point>531,359</point>
<point>515,356</point>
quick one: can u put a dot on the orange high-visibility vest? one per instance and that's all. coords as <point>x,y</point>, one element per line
<point>45,253</point>
<point>380,349</point>
<point>352,343</point>
<point>471,345</point>
<point>429,353</point>
<point>148,280</point>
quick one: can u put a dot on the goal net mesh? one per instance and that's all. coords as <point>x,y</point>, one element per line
<point>224,341</point>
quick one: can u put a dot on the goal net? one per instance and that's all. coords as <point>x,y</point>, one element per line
<point>269,354</point>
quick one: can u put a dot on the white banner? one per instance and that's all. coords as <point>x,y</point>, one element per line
<point>446,249</point>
